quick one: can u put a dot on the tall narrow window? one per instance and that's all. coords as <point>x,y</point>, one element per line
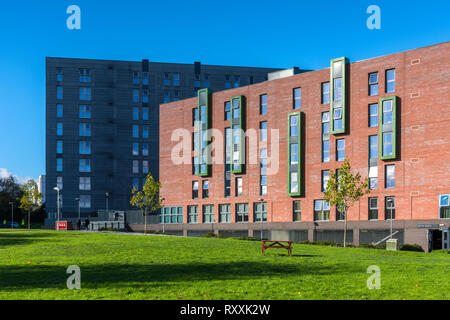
<point>135,149</point>
<point>389,208</point>
<point>373,115</point>
<point>135,131</point>
<point>325,137</point>
<point>263,131</point>
<point>389,178</point>
<point>325,178</point>
<point>59,74</point>
<point>238,121</point>
<point>325,92</point>
<point>59,182</point>
<point>297,210</point>
<point>59,110</point>
<point>373,208</point>
<point>176,79</point>
<point>136,95</point>
<point>59,129</point>
<point>242,212</point>
<point>85,94</point>
<point>236,82</point>
<point>387,128</point>
<point>135,166</point>
<point>166,81</point>
<point>297,98</point>
<point>263,104</point>
<point>340,150</point>
<point>145,168</point>
<point>444,206</point>
<point>59,147</point>
<point>208,213</point>
<point>390,80</point>
<point>194,189</point>
<point>145,113</point>
<point>192,214</point>
<point>238,186</point>
<point>224,213</point>
<point>59,93</point>
<point>145,78</point>
<point>263,172</point>
<point>373,162</point>
<point>205,191</point>
<point>85,165</point>
<point>338,74</point>
<point>59,164</point>
<point>145,132</point>
<point>227,165</point>
<point>135,113</point>
<point>145,96</point>
<point>373,84</point>
<point>85,75</point>
<point>260,212</point>
<point>294,153</point>
<point>227,111</point>
<point>85,112</point>
<point>145,149</point>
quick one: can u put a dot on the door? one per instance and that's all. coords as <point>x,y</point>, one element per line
<point>445,239</point>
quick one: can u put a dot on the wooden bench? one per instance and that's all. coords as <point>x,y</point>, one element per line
<point>277,244</point>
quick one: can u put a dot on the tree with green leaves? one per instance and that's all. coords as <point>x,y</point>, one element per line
<point>31,198</point>
<point>345,188</point>
<point>148,199</point>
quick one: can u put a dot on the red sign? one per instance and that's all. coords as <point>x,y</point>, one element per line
<point>61,225</point>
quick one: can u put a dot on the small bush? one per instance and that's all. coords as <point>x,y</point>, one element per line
<point>211,234</point>
<point>372,246</point>
<point>411,247</point>
<point>107,229</point>
<point>441,251</point>
<point>248,238</point>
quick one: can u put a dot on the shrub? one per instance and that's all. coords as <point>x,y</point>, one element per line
<point>441,251</point>
<point>411,247</point>
<point>211,234</point>
<point>107,229</point>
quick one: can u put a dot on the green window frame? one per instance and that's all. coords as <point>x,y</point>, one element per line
<point>297,210</point>
<point>338,94</point>
<point>385,129</point>
<point>238,127</point>
<point>203,126</point>
<point>294,171</point>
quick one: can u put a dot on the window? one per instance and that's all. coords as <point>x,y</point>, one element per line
<point>387,112</point>
<point>59,183</point>
<point>176,95</point>
<point>297,210</point>
<point>85,183</point>
<point>85,75</point>
<point>85,165</point>
<point>136,78</point>
<point>208,213</point>
<point>242,212</point>
<point>340,150</point>
<point>59,93</point>
<point>145,166</point>
<point>59,146</point>
<point>373,84</point>
<point>224,213</point>
<point>166,97</point>
<point>340,216</point>
<point>85,130</point>
<point>321,210</point>
<point>325,178</point>
<point>227,82</point>
<point>206,81</point>
<point>390,80</point>
<point>59,74</point>
<point>444,206</point>
<point>237,80</point>
<point>294,182</point>
<point>136,95</point>
<point>373,162</point>
<point>197,81</point>
<point>325,92</point>
<point>145,149</point>
<point>135,166</point>
<point>171,215</point>
<point>135,131</point>
<point>59,164</point>
<point>195,117</point>
<point>205,190</point>
<point>135,149</point>
<point>263,104</point>
<point>263,168</point>
<point>135,113</point>
<point>373,147</point>
<point>85,201</point>
<point>192,214</point>
<point>176,79</point>
<point>373,115</point>
<point>145,113</point>
<point>325,137</point>
<point>389,211</point>
<point>337,89</point>
<point>194,189</point>
<point>373,208</point>
<point>260,212</point>
<point>297,98</point>
<point>85,112</point>
<point>263,131</point>
<point>85,94</point>
<point>389,176</point>
<point>85,147</point>
<point>135,183</point>
<point>227,111</point>
<point>59,110</point>
<point>238,187</point>
<point>145,78</point>
<point>144,131</point>
<point>145,96</point>
<point>166,81</point>
<point>59,129</point>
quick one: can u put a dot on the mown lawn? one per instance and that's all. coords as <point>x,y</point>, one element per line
<point>113,266</point>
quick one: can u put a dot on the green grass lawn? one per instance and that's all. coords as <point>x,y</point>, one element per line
<point>113,266</point>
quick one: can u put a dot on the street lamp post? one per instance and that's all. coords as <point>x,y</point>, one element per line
<point>107,201</point>
<point>262,200</point>
<point>162,212</point>
<point>57,207</point>
<point>12,214</point>
<point>79,209</point>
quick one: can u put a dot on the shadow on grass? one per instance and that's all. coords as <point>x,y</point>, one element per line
<point>122,275</point>
<point>21,237</point>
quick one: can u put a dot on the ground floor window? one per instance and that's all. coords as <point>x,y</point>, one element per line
<point>340,216</point>
<point>321,210</point>
<point>260,212</point>
<point>192,214</point>
<point>224,213</point>
<point>297,210</point>
<point>389,208</point>
<point>373,208</point>
<point>172,214</point>
<point>208,213</point>
<point>444,206</point>
<point>242,212</point>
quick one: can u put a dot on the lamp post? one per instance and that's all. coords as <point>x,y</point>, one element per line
<point>57,206</point>
<point>262,201</point>
<point>79,211</point>
<point>390,202</point>
<point>162,212</point>
<point>12,214</point>
<point>107,201</point>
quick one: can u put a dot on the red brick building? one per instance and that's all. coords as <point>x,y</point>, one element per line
<point>388,115</point>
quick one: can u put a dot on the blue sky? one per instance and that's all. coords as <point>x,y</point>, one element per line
<point>248,33</point>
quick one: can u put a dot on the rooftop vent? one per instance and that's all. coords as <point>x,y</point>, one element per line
<point>283,73</point>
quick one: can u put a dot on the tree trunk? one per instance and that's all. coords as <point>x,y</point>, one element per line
<point>28,219</point>
<point>345,228</point>
<point>145,221</point>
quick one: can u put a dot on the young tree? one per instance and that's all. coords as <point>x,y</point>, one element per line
<point>148,199</point>
<point>344,189</point>
<point>31,198</point>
